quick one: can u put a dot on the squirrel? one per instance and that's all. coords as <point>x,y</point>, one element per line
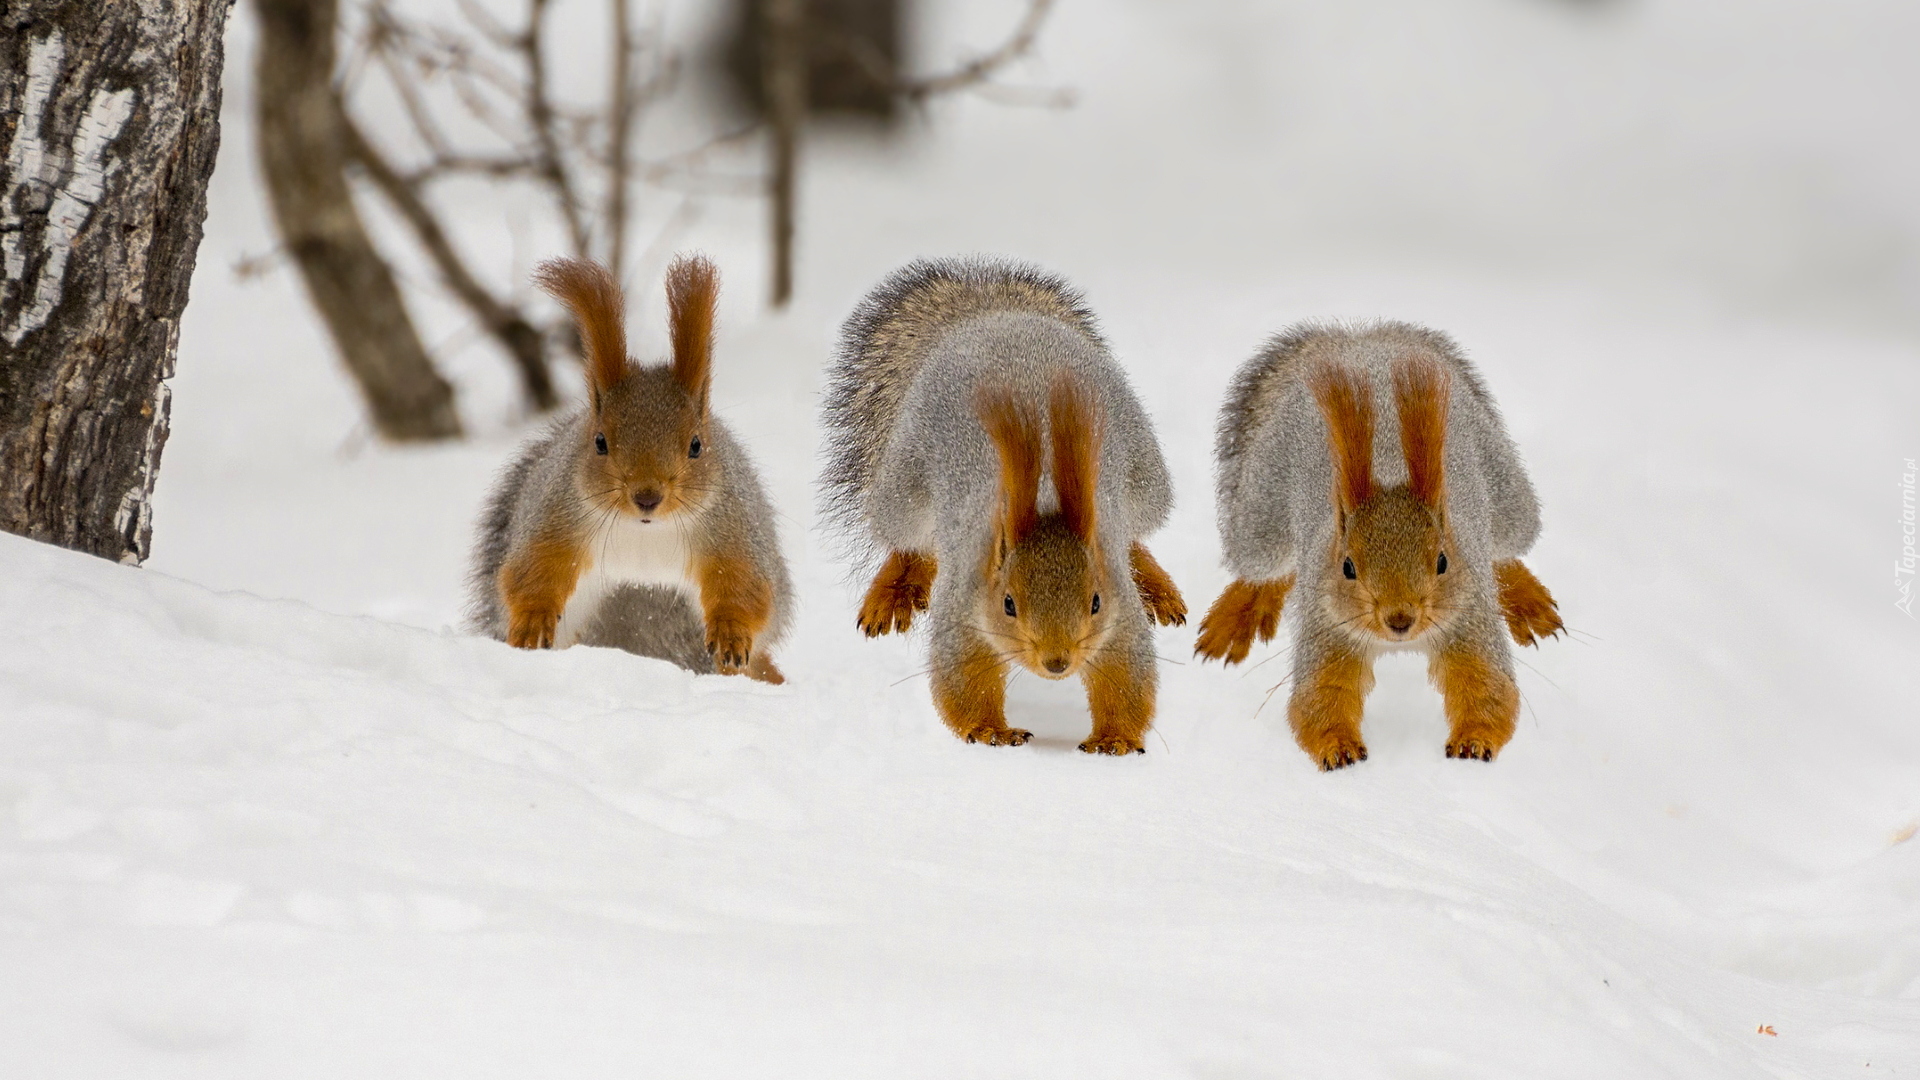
<point>976,424</point>
<point>637,521</point>
<point>1394,528</point>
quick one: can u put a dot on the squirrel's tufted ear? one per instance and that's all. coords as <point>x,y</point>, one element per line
<point>591,294</point>
<point>1421,392</point>
<point>693,291</point>
<point>1015,431</point>
<point>1346,401</point>
<point>1078,425</point>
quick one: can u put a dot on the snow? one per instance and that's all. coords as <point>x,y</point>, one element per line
<point>264,811</point>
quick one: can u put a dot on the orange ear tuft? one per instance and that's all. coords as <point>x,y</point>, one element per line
<point>599,311</point>
<point>1421,392</point>
<point>1346,401</point>
<point>1015,431</point>
<point>693,291</point>
<point>1078,425</point>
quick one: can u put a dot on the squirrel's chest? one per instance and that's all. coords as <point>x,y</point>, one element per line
<point>630,553</point>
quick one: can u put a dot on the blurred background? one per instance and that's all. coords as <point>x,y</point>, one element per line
<point>1207,171</point>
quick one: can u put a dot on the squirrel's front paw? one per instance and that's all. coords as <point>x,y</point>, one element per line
<point>1334,750</point>
<point>996,735</point>
<point>731,646</point>
<point>1482,747</point>
<point>1113,744</point>
<point>532,629</point>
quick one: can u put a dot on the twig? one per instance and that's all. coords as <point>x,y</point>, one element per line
<point>507,325</point>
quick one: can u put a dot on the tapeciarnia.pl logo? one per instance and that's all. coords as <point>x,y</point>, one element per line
<point>1903,566</point>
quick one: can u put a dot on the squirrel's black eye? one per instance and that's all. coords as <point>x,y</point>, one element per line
<point>1347,569</point>
<point>599,443</point>
<point>1009,606</point>
<point>1096,603</point>
<point>694,450</point>
<point>1443,564</point>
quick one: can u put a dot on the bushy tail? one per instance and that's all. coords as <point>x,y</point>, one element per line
<point>885,341</point>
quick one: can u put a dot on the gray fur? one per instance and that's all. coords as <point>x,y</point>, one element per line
<point>885,342</point>
<point>1275,472</point>
<point>541,488</point>
<point>910,466</point>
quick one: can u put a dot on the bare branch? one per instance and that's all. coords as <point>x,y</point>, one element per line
<point>551,164</point>
<point>506,323</point>
<point>976,72</point>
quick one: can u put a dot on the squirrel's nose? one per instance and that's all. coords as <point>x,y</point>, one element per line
<point>648,500</point>
<point>1056,664</point>
<point>1399,621</point>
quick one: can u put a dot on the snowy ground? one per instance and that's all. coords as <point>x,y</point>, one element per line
<point>264,813</point>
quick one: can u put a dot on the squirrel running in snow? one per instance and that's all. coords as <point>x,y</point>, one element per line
<point>637,521</point>
<point>979,432</point>
<point>1365,474</point>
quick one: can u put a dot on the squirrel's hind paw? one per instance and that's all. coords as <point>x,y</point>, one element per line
<point>1528,607</point>
<point>1246,610</point>
<point>903,586</point>
<point>1158,593</point>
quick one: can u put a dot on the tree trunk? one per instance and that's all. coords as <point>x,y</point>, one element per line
<point>785,55</point>
<point>110,112</point>
<point>304,154</point>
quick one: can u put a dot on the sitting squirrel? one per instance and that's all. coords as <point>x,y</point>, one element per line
<point>976,424</point>
<point>608,527</point>
<point>1402,528</point>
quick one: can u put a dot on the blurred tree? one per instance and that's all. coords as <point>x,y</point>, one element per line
<point>795,58</point>
<point>111,117</point>
<point>489,78</point>
<point>305,144</point>
<point>836,82</point>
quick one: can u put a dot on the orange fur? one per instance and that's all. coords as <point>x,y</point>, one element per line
<point>693,292</point>
<point>590,293</point>
<point>1325,711</point>
<point>1015,432</point>
<point>971,695</point>
<point>1245,610</point>
<point>1121,699</point>
<point>1162,598</point>
<point>1078,428</point>
<point>902,587</point>
<point>1482,703</point>
<point>535,587</point>
<point>1530,609</point>
<point>1346,402</point>
<point>737,604</point>
<point>1421,392</point>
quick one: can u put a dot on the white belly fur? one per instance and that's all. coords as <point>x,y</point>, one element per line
<point>630,553</point>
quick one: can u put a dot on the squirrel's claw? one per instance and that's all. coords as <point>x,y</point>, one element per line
<point>532,631</point>
<point>731,648</point>
<point>1471,750</point>
<point>1342,754</point>
<point>1000,736</point>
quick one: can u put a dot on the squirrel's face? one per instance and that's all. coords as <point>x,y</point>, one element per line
<point>1390,574</point>
<point>1046,604</point>
<point>647,457</point>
